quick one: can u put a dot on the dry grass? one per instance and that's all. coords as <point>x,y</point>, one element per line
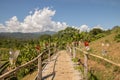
<point>30,76</point>
<point>101,69</point>
<point>113,51</point>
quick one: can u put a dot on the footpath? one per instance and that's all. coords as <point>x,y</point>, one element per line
<point>61,68</point>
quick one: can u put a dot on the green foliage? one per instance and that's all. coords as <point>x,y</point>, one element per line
<point>96,74</point>
<point>22,73</point>
<point>4,66</point>
<point>45,37</point>
<point>68,35</point>
<point>99,35</point>
<point>4,56</point>
<point>79,68</point>
<point>116,29</point>
<point>117,38</point>
<point>116,69</point>
<point>96,31</point>
<point>85,36</point>
<point>27,53</point>
<point>91,76</point>
<point>75,59</point>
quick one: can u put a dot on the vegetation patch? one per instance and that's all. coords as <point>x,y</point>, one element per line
<point>117,38</point>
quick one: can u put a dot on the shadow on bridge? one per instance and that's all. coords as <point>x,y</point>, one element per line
<point>53,73</point>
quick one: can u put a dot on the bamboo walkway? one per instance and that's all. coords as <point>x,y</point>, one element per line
<point>61,68</point>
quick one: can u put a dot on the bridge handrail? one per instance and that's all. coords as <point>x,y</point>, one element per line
<point>85,53</point>
<point>23,65</point>
<point>107,60</point>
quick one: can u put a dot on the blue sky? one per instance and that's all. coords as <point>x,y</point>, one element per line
<point>73,12</point>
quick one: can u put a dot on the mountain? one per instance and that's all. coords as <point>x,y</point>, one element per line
<point>19,35</point>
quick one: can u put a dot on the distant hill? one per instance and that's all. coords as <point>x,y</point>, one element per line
<point>19,35</point>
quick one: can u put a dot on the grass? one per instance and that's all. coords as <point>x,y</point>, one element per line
<point>4,66</point>
<point>99,69</point>
<point>113,51</point>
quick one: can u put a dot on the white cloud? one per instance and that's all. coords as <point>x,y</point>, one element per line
<point>2,28</point>
<point>37,21</point>
<point>13,25</point>
<point>84,28</point>
<point>87,28</point>
<point>99,27</point>
<point>75,27</point>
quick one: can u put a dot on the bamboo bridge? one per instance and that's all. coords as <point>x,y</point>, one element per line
<point>58,66</point>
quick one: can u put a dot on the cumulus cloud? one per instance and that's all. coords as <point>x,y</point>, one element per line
<point>37,21</point>
<point>99,27</point>
<point>84,28</point>
<point>2,28</point>
<point>13,25</point>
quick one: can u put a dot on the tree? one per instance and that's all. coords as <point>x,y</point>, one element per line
<point>45,37</point>
<point>96,31</point>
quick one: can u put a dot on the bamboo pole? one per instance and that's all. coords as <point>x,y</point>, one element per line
<point>39,69</point>
<point>24,65</point>
<point>49,55</point>
<point>18,68</point>
<point>70,51</point>
<point>74,52</point>
<point>85,67</point>
<point>102,58</point>
<point>109,61</point>
<point>54,49</point>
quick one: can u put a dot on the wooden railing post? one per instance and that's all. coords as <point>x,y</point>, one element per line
<point>54,48</point>
<point>39,69</point>
<point>96,56</point>
<point>70,50</point>
<point>49,55</point>
<point>74,52</point>
<point>85,66</point>
<point>38,77</point>
<point>2,79</point>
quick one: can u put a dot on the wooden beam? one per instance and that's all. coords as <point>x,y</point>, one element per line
<point>107,60</point>
<point>39,77</point>
<point>85,67</point>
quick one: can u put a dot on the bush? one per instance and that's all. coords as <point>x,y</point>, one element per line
<point>75,59</point>
<point>99,35</point>
<point>117,38</point>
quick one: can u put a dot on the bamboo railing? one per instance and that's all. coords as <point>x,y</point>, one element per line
<point>107,60</point>
<point>39,77</point>
<point>85,53</point>
<point>72,51</point>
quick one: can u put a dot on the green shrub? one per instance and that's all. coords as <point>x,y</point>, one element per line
<point>116,69</point>
<point>79,68</point>
<point>99,35</point>
<point>75,59</point>
<point>117,38</point>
